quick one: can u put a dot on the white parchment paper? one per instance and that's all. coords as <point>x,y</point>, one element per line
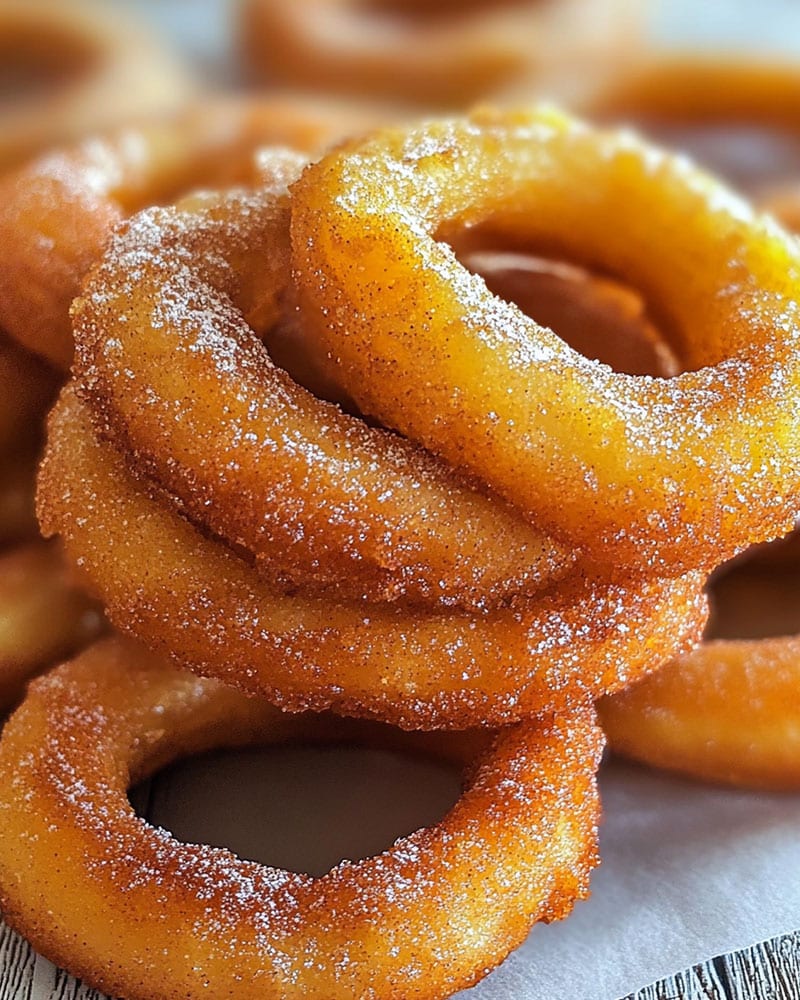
<point>688,872</point>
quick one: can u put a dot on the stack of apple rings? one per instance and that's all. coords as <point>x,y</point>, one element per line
<point>493,532</point>
<point>56,213</point>
<point>376,579</point>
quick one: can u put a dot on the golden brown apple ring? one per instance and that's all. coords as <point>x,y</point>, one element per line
<point>730,710</point>
<point>57,212</point>
<point>432,914</point>
<point>44,616</point>
<point>736,115</point>
<point>433,52</point>
<point>72,68</point>
<point>316,496</point>
<point>189,595</point>
<point>641,471</point>
<point>727,712</point>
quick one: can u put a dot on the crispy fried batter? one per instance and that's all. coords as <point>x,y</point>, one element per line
<point>321,500</point>
<point>641,472</point>
<point>57,211</point>
<point>432,914</point>
<point>190,595</point>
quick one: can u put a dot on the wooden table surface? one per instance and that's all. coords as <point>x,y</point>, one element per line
<point>767,971</point>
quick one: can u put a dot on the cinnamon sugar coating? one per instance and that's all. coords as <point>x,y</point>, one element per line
<point>647,473</point>
<point>432,914</point>
<point>318,498</point>
<point>57,211</point>
<point>187,594</point>
<point>322,563</point>
<point>56,214</point>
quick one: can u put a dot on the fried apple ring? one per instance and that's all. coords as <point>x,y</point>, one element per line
<point>57,212</point>
<point>439,53</point>
<point>44,616</point>
<point>728,712</point>
<point>736,115</point>
<point>72,68</point>
<point>189,595</point>
<point>318,498</point>
<point>432,914</point>
<point>640,472</point>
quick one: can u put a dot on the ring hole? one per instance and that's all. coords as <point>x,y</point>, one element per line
<point>757,595</point>
<point>301,808</point>
<point>604,319</point>
<point>36,63</point>
<point>601,318</point>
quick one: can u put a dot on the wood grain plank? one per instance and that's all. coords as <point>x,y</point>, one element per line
<point>16,962</point>
<point>773,972</point>
<point>769,970</point>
